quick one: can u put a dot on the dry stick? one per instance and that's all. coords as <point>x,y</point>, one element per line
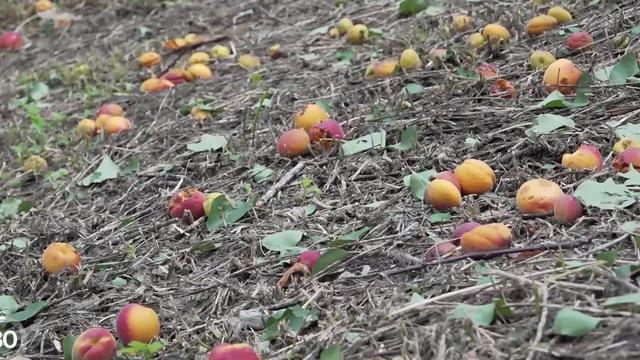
<point>541,324</point>
<point>282,182</point>
<point>488,255</point>
<point>419,305</point>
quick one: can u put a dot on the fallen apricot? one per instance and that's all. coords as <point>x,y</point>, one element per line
<point>561,14</point>
<point>562,75</point>
<point>439,250</point>
<point>624,144</point>
<point>135,322</point>
<point>60,256</point>
<point>504,89</point>
<point>485,238</point>
<point>44,5</point>
<point>567,209</point>
<point>208,201</point>
<point>275,51</point>
<point>200,71</point>
<point>358,34</point>
<point>587,157</point>
<point>248,61</point>
<point>630,156</point>
<point>382,68</point>
<point>540,24</point>
<point>187,199</point>
<point>292,143</point>
<point>149,59</point>
<point>191,38</point>
<point>344,25</point>
<point>95,343</point>
<point>10,40</point>
<point>199,57</point>
<point>496,33</point>
<point>475,176</point>
<point>537,196</point>
<point>116,124</point>
<point>326,133</point>
<point>101,120</point>
<point>449,176</point>
<point>311,115</point>
<point>220,52</point>
<point>153,85</point>
<point>233,352</point>
<point>174,44</point>
<point>409,59</point>
<point>86,128</point>
<point>110,109</point>
<point>35,164</point>
<point>541,59</point>
<point>177,76</point>
<point>486,70</point>
<point>462,229</point>
<point>303,264</point>
<point>578,40</point>
<point>461,23</point>
<point>476,40</point>
<point>442,194</point>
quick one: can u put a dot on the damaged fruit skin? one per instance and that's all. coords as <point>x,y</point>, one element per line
<point>539,24</point>
<point>135,322</point>
<point>187,199</point>
<point>485,238</point>
<point>177,76</point>
<point>586,157</point>
<point>311,115</point>
<point>303,264</point>
<point>60,256</point>
<point>625,143</point>
<point>381,69</point>
<point>233,352</point>
<point>578,40</point>
<point>629,157</point>
<point>439,250</point>
<point>149,59</point>
<point>409,60</point>
<point>292,143</point>
<point>325,133</point>
<point>358,34</point>
<point>567,209</point>
<point>486,70</point>
<point>537,196</point>
<point>95,343</point>
<point>504,89</point>
<point>475,176</point>
<point>35,164</point>
<point>442,194</point>
<point>562,75</point>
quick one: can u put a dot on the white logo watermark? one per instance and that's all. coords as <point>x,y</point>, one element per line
<point>11,337</point>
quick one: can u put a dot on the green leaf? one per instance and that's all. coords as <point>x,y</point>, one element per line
<point>607,195</point>
<point>324,104</point>
<point>635,30</point>
<point>8,305</point>
<point>105,171</point>
<point>67,346</point>
<point>412,7</point>
<point>38,91</point>
<point>624,69</point>
<point>344,55</point>
<point>284,242</point>
<point>439,218</point>
<point>407,140</point>
<point>547,123</point>
<point>414,89</point>
<point>573,323</point>
<point>119,282</point>
<point>29,311</point>
<point>329,258</point>
<point>633,299</point>
<point>502,309</point>
<point>351,237</point>
<point>631,227</point>
<point>260,173</point>
<point>631,131</point>
<point>435,9</point>
<point>319,31</point>
<point>224,213</point>
<point>133,167</point>
<point>556,100</point>
<point>364,143</point>
<point>609,257</point>
<point>418,182</point>
<point>263,103</point>
<point>632,176</point>
<point>332,352</point>
<point>11,207</point>
<point>208,143</point>
<point>481,315</point>
<point>415,298</point>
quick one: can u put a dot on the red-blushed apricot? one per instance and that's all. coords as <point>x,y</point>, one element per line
<point>175,44</point>
<point>308,258</point>
<point>153,85</point>
<point>587,157</point>
<point>485,238</point>
<point>461,23</point>
<point>578,40</point>
<point>487,71</point>
<point>442,194</point>
<point>504,89</point>
<point>60,256</point>
<point>476,40</point>
<point>87,128</point>
<point>135,322</point>
<point>233,352</point>
<point>177,76</point>
<point>187,199</point>
<point>35,164</point>
<point>326,133</point>
<point>149,59</point>
<point>562,75</point>
<point>43,5</point>
<point>10,40</point>
<point>292,143</point>
<point>115,125</point>
<point>475,176</point>
<point>220,52</point>
<point>630,156</point>
<point>449,176</point>
<point>303,264</point>
<point>624,144</point>
<point>540,24</point>
<point>567,209</point>
<point>358,34</point>
<point>344,25</point>
<point>537,196</point>
<point>409,60</point>
<point>311,115</point>
<point>199,57</point>
<point>561,14</point>
<point>112,109</point>
<point>95,343</point>
<point>439,250</point>
<point>496,33</point>
<point>208,201</point>
<point>200,71</point>
<point>249,61</point>
<point>461,230</point>
<point>541,59</point>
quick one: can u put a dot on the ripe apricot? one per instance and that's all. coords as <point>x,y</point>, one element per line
<point>461,23</point>
<point>587,157</point>
<point>462,229</point>
<point>191,38</point>
<point>110,109</point>
<point>116,124</point>
<point>220,52</point>
<point>10,40</point>
<point>439,250</point>
<point>537,196</point>
<point>630,156</point>
<point>292,143</point>
<point>187,199</point>
<point>449,176</point>
<point>626,143</point>
<point>567,209</point>
<point>60,256</point>
<point>358,34</point>
<point>326,133</point>
<point>475,176</point>
<point>174,44</point>
<point>476,40</point>
<point>199,57</point>
<point>578,40</point>
<point>200,71</point>
<point>485,238</point>
<point>562,75</point>
<point>233,352</point>
<point>561,14</point>
<point>311,115</point>
<point>35,164</point>
<point>344,25</point>
<point>442,194</point>
<point>409,59</point>
<point>95,343</point>
<point>153,85</point>
<point>382,68</point>
<point>149,59</point>
<point>86,128</point>
<point>248,61</point>
<point>496,33</point>
<point>177,76</point>
<point>135,322</point>
<point>541,59</point>
<point>540,24</point>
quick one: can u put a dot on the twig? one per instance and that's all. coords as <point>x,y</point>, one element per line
<point>541,324</point>
<point>282,182</point>
<point>419,305</point>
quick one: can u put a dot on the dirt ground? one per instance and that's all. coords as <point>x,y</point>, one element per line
<point>369,304</point>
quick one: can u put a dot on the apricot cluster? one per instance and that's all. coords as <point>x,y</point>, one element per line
<point>311,126</point>
<point>472,237</point>
<point>471,177</point>
<point>110,120</point>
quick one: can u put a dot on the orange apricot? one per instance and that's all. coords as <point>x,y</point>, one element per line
<point>383,68</point>
<point>537,196</point>
<point>60,256</point>
<point>562,75</point>
<point>112,109</point>
<point>503,88</point>
<point>475,176</point>
<point>177,76</point>
<point>116,124</point>
<point>449,176</point>
<point>149,59</point>
<point>200,71</point>
<point>311,115</point>
<point>292,143</point>
<point>496,33</point>
<point>154,84</point>
<point>135,322</point>
<point>540,24</point>
<point>442,194</point>
<point>86,128</point>
<point>485,238</point>
<point>587,157</point>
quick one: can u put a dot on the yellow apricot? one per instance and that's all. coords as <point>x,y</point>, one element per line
<point>475,176</point>
<point>199,57</point>
<point>86,128</point>
<point>461,23</point>
<point>496,33</point>
<point>153,85</point>
<point>248,61</point>
<point>541,59</point>
<point>344,25</point>
<point>149,59</point>
<point>409,59</point>
<point>537,196</point>
<point>358,34</point>
<point>220,52</point>
<point>626,143</point>
<point>476,40</point>
<point>587,157</point>
<point>333,32</point>
<point>561,14</point>
<point>540,24</point>
<point>312,115</point>
<point>44,5</point>
<point>442,194</point>
<point>200,71</point>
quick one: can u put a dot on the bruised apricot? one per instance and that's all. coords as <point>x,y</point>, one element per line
<point>154,84</point>
<point>537,196</point>
<point>476,40</point>
<point>326,133</point>
<point>541,59</point>
<point>311,115</point>
<point>475,176</point>
<point>587,157</point>
<point>292,143</point>
<point>496,33</point>
<point>409,60</point>
<point>200,71</point>
<point>442,194</point>
<point>60,256</point>
<point>187,199</point>
<point>358,34</point>
<point>624,144</point>
<point>149,59</point>
<point>220,52</point>
<point>485,238</point>
<point>567,209</point>
<point>344,25</point>
<point>135,322</point>
<point>116,124</point>
<point>562,75</point>
<point>578,40</point>
<point>461,23</point>
<point>199,57</point>
<point>561,14</point>
<point>382,68</point>
<point>629,157</point>
<point>439,250</point>
<point>540,24</point>
<point>86,128</point>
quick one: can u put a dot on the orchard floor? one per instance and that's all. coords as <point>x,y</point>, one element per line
<point>199,281</point>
